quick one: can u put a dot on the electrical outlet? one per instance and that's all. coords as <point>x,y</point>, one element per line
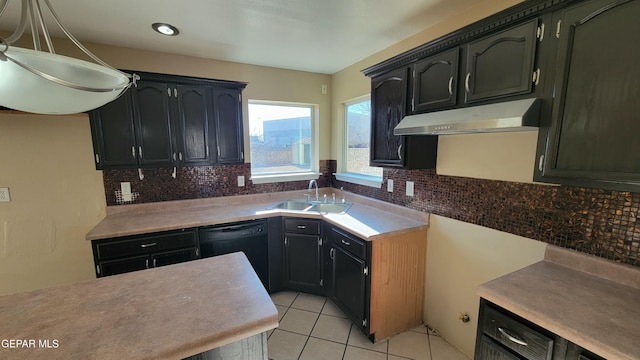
<point>390,185</point>
<point>125,187</point>
<point>240,181</point>
<point>324,89</point>
<point>409,188</point>
<point>4,195</point>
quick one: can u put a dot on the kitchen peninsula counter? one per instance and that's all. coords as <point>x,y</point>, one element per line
<point>368,218</point>
<point>589,301</point>
<point>164,313</point>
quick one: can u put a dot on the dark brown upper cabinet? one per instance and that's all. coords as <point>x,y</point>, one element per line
<point>388,104</point>
<point>388,107</point>
<point>228,123</point>
<point>152,119</point>
<point>113,133</point>
<point>194,119</point>
<point>435,82</point>
<point>592,138</point>
<point>167,120</point>
<point>501,64</point>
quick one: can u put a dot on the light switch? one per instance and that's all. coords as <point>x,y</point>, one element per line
<point>409,188</point>
<point>240,181</point>
<point>4,195</point>
<point>390,185</point>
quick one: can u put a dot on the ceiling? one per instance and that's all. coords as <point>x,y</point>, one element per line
<point>322,36</point>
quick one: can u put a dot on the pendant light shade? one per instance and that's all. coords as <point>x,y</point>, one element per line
<point>47,83</point>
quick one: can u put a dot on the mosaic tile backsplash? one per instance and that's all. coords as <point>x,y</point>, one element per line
<point>598,222</point>
<point>195,183</point>
<point>594,221</point>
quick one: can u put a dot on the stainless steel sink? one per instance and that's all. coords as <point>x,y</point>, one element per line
<point>331,207</point>
<point>292,205</point>
<point>312,206</point>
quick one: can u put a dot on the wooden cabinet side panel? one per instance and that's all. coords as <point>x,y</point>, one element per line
<point>397,283</point>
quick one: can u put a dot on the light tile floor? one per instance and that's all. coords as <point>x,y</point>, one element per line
<point>312,327</point>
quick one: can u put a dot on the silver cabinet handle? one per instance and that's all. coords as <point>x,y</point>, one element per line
<point>286,241</point>
<point>302,226</point>
<point>345,242</point>
<point>154,262</point>
<point>466,81</point>
<point>536,77</point>
<point>175,92</point>
<point>331,253</point>
<point>148,245</point>
<point>169,92</point>
<point>146,262</point>
<point>400,152</point>
<point>180,155</point>
<point>541,162</point>
<point>97,159</point>
<point>174,156</point>
<point>133,152</point>
<point>511,337</point>
<point>451,85</point>
<point>140,151</point>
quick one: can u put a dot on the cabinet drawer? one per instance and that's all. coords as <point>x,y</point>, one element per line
<point>350,243</point>
<point>302,226</point>
<point>145,244</point>
<point>516,335</point>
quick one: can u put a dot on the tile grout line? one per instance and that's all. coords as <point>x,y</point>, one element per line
<point>346,345</point>
<point>313,327</point>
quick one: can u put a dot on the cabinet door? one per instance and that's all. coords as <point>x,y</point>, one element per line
<point>152,116</point>
<point>349,284</point>
<point>194,125</point>
<point>435,81</point>
<point>388,104</point>
<point>327,260</point>
<point>227,105</point>
<point>114,139</point>
<point>502,64</point>
<point>302,254</point>
<point>173,257</point>
<point>593,136</point>
<point>123,265</point>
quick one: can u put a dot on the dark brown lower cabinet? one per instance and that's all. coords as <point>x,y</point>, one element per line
<point>139,252</point>
<point>302,255</point>
<point>503,335</point>
<point>350,280</point>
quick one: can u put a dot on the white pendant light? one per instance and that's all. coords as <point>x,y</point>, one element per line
<point>47,83</point>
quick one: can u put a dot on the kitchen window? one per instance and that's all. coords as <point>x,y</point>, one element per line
<point>356,151</point>
<point>283,141</point>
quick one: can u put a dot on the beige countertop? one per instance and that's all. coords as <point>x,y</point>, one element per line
<point>370,219</point>
<point>589,301</point>
<point>168,312</point>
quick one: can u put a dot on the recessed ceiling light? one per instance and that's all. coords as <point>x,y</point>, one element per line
<point>165,29</point>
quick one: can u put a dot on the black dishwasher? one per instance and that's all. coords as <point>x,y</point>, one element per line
<point>250,237</point>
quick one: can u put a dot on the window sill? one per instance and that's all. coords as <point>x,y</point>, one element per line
<point>267,179</point>
<point>360,179</point>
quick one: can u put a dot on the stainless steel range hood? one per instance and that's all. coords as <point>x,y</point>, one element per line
<point>518,115</point>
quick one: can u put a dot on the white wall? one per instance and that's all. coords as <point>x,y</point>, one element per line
<point>460,257</point>
<point>57,196</point>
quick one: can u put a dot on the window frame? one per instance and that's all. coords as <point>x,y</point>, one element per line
<point>353,177</point>
<point>275,177</point>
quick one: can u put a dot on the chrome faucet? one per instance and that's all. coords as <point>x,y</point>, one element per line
<point>311,183</point>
